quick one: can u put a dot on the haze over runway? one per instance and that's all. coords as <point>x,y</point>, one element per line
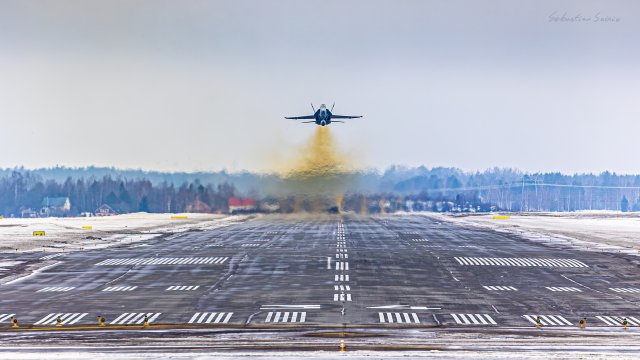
<point>472,85</point>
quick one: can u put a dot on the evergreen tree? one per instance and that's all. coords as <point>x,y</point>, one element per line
<point>144,204</point>
<point>624,204</point>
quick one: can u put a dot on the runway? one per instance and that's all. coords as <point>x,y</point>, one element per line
<point>328,271</point>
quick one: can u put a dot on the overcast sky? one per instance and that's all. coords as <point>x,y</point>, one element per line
<point>204,85</point>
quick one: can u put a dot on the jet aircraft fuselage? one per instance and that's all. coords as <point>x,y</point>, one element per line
<point>322,116</point>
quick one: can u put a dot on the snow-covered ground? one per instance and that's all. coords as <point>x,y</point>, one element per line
<point>356,355</point>
<point>67,234</point>
<point>605,231</point>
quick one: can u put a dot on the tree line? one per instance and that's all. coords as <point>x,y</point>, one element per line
<point>24,190</point>
<point>398,188</point>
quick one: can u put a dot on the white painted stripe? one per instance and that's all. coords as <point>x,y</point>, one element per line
<point>137,318</point>
<point>415,318</point>
<point>126,318</point>
<point>194,317</point>
<point>210,318</point>
<point>118,318</point>
<point>78,318</point>
<point>153,317</point>
<point>45,319</point>
<point>398,318</point>
<point>389,318</point>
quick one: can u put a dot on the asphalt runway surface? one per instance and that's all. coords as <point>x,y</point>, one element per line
<point>327,271</point>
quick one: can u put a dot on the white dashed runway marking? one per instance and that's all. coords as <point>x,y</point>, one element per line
<point>164,261</point>
<point>341,277</point>
<point>473,319</point>
<point>492,261</point>
<point>617,320</point>
<point>342,297</point>
<point>341,265</point>
<point>286,317</point>
<point>56,289</point>
<point>625,290</point>
<point>120,288</point>
<point>398,318</point>
<point>49,257</point>
<point>566,289</point>
<point>66,318</point>
<point>250,245</point>
<point>134,318</point>
<point>500,288</point>
<point>549,320</point>
<point>210,318</point>
<point>183,288</point>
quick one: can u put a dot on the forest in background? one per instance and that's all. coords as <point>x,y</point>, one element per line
<point>397,188</point>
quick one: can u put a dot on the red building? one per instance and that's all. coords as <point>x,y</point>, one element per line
<point>241,205</point>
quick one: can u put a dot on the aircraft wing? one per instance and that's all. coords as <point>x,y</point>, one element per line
<point>344,116</point>
<point>300,117</point>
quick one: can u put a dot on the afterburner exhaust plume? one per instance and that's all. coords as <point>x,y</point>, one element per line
<point>318,179</point>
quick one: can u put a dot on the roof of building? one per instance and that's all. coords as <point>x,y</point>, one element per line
<point>105,207</point>
<point>54,201</point>
<point>242,202</point>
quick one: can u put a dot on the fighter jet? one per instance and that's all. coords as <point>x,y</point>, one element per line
<point>323,116</point>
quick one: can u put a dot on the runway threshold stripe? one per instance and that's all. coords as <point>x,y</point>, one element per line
<point>45,319</point>
<point>208,320</point>
<point>522,262</point>
<point>193,318</point>
<point>4,317</point>
<point>118,318</point>
<point>78,318</point>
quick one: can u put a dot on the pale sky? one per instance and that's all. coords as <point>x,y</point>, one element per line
<point>204,85</point>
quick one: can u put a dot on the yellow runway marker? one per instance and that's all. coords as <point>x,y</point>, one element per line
<point>501,217</point>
